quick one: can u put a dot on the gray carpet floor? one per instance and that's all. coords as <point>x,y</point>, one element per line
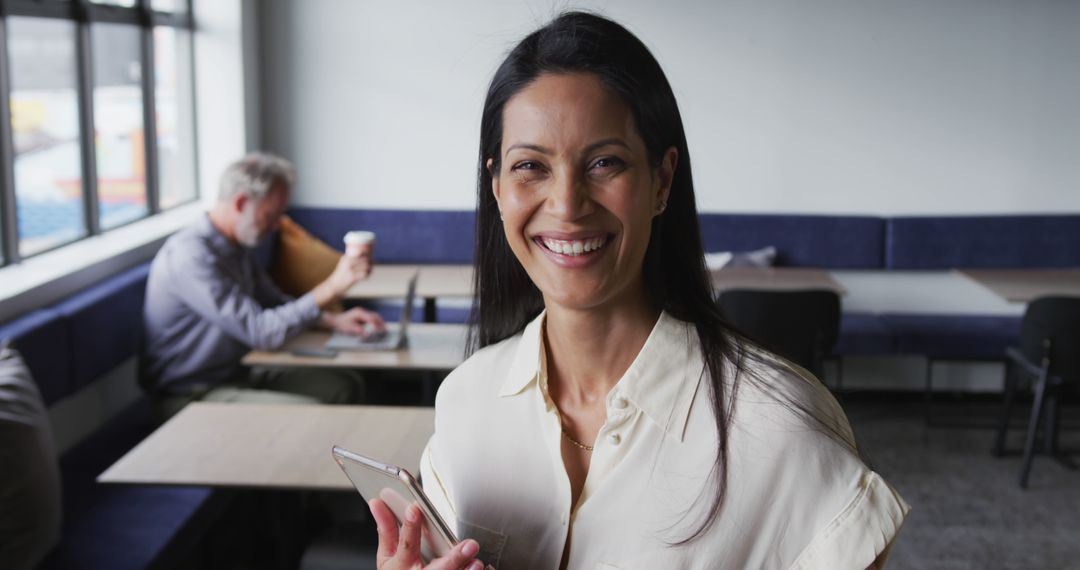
<point>967,508</point>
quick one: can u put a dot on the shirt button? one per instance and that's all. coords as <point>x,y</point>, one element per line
<point>619,403</point>
<point>614,439</point>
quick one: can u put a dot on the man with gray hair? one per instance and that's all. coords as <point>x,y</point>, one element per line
<point>208,302</point>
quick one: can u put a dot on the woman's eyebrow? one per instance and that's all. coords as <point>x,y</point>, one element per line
<point>590,148</point>
<point>527,146</point>
<point>606,142</point>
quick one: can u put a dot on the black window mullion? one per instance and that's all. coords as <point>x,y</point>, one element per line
<point>86,121</point>
<point>153,187</point>
<point>9,240</point>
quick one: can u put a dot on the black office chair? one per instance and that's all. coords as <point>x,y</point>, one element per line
<point>1049,353</point>
<point>801,326</point>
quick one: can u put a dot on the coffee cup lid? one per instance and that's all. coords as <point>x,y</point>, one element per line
<point>358,237</point>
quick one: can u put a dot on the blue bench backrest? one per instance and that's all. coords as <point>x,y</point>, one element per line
<point>104,322</point>
<point>945,242</point>
<point>838,242</point>
<point>41,337</point>
<point>402,236</point>
<point>75,342</point>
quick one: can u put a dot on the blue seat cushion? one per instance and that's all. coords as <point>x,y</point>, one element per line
<point>976,337</point>
<point>863,334</point>
<point>455,313</point>
<point>402,236</point>
<point>945,242</point>
<point>848,242</point>
<point>42,338</point>
<point>123,526</point>
<point>104,323</point>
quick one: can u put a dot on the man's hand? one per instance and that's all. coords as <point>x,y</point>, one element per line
<point>354,321</point>
<point>349,270</point>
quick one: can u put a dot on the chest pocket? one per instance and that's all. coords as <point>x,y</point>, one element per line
<point>491,542</point>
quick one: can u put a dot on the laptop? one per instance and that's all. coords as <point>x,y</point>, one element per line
<point>390,340</point>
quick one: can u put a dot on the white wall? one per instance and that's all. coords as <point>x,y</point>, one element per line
<point>862,106</point>
<point>219,89</point>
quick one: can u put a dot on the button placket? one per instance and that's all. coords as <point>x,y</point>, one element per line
<point>620,411</point>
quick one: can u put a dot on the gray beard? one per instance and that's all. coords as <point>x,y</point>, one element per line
<point>245,232</point>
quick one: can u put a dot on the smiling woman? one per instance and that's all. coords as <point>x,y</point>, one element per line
<point>609,417</point>
<point>577,191</point>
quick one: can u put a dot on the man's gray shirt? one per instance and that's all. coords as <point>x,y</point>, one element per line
<point>208,302</point>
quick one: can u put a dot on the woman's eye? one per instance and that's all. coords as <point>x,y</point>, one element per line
<point>526,165</point>
<point>607,163</point>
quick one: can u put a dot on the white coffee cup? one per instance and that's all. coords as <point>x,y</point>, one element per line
<point>357,241</point>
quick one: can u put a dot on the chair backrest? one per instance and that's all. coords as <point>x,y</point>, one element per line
<point>1051,328</point>
<point>801,326</point>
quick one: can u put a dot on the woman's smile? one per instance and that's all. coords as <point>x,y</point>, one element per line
<point>573,251</point>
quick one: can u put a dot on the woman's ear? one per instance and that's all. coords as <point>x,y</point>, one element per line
<point>494,179</point>
<point>665,175</point>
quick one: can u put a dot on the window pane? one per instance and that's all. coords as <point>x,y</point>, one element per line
<point>179,6</point>
<point>175,115</point>
<point>118,123</point>
<point>45,127</point>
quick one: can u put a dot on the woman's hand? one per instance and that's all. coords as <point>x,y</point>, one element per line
<point>400,550</point>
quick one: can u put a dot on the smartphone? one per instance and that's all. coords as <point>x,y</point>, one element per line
<point>397,487</point>
<point>314,352</point>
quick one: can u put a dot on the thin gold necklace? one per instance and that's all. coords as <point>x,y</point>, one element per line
<point>577,443</point>
<point>541,368</point>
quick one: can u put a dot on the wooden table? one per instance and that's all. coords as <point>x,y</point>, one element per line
<point>775,279</point>
<point>392,281</point>
<point>445,281</point>
<point>430,347</point>
<point>272,446</point>
<point>385,282</point>
<point>1025,285</point>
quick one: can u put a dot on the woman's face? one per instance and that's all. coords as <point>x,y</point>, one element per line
<point>577,190</point>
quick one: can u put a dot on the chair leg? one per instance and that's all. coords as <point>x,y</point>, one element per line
<point>839,373</point>
<point>1033,428</point>
<point>1053,429</point>
<point>1006,410</point>
<point>1049,416</point>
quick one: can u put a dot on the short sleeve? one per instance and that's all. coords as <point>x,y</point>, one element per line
<point>862,533</point>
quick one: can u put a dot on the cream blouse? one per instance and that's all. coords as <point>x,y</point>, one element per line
<point>796,497</point>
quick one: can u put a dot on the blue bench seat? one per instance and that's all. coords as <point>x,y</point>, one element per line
<point>954,337</point>
<point>68,347</point>
<point>125,526</point>
<point>863,334</point>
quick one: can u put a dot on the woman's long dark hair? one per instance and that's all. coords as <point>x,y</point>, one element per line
<point>675,276</point>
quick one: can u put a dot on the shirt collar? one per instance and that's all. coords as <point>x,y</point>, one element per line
<point>662,380</point>
<point>524,369</point>
<point>216,239</point>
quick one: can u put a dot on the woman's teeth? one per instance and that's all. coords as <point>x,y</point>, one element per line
<point>574,247</point>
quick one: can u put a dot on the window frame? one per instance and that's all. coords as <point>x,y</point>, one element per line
<point>84,14</point>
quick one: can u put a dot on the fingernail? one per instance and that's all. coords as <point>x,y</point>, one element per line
<point>411,514</point>
<point>470,548</point>
<point>476,565</point>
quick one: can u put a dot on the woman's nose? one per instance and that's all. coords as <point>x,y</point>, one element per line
<point>569,197</point>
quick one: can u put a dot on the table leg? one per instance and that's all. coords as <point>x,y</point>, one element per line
<point>429,310</point>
